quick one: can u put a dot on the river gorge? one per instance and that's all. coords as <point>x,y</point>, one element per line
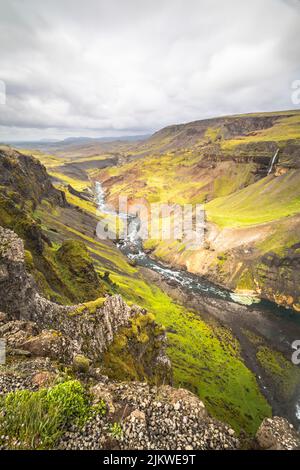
<point>279,326</point>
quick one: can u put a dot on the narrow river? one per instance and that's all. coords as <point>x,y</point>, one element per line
<point>279,325</point>
<point>132,248</point>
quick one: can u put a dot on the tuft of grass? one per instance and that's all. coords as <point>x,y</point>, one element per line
<point>36,420</point>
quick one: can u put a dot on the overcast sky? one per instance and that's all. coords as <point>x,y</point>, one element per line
<point>117,67</point>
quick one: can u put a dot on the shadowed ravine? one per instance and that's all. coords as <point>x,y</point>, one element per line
<point>278,325</point>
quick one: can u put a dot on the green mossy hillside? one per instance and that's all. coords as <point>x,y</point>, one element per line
<point>77,270</point>
<point>264,201</point>
<point>285,374</point>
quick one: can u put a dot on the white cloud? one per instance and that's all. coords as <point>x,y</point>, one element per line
<point>103,68</point>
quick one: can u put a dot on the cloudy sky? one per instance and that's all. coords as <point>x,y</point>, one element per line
<point>118,67</point>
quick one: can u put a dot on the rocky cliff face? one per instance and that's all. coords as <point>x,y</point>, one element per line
<point>279,277</point>
<point>27,177</point>
<point>65,275</point>
<point>45,328</point>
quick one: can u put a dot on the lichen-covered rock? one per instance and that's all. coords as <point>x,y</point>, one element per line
<point>43,379</point>
<point>138,351</point>
<point>99,392</point>
<point>17,332</point>
<point>49,343</point>
<point>81,363</point>
<point>277,434</point>
<point>3,317</point>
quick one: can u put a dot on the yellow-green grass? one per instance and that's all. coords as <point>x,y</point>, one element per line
<point>77,184</point>
<point>50,161</point>
<point>175,179</point>
<point>284,129</point>
<point>271,198</point>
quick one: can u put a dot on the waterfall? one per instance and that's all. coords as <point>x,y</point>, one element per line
<point>273,161</point>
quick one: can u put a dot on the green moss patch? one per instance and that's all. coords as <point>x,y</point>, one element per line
<point>282,371</point>
<point>77,270</point>
<point>132,354</point>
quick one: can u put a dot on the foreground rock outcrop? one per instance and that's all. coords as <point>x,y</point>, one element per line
<point>140,416</point>
<point>43,328</point>
<point>151,418</point>
<point>46,342</point>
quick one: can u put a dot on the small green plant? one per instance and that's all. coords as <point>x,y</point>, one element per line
<point>71,398</point>
<point>116,430</point>
<point>99,408</point>
<point>29,421</point>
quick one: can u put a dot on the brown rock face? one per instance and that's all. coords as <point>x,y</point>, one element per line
<point>43,379</point>
<point>49,343</point>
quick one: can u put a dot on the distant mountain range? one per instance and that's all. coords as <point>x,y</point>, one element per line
<point>45,144</point>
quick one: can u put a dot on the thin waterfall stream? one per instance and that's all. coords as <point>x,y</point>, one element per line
<point>273,162</point>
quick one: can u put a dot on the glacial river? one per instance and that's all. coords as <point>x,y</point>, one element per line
<point>131,246</point>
